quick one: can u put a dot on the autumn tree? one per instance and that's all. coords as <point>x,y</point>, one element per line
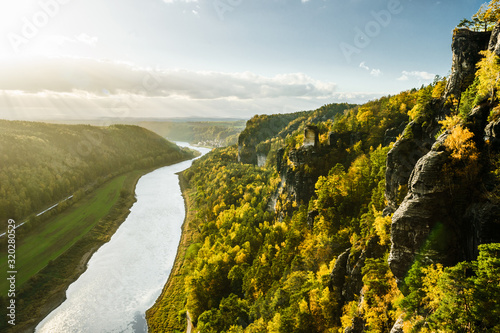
<point>488,14</point>
<point>485,18</point>
<point>488,74</point>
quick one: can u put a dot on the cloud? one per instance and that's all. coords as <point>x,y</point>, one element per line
<point>81,38</point>
<point>373,71</point>
<point>425,76</point>
<point>376,72</point>
<point>68,75</point>
<point>86,39</point>
<point>86,88</point>
<point>363,65</point>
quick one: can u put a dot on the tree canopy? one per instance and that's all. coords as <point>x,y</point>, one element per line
<point>485,18</point>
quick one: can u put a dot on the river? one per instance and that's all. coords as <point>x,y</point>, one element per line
<point>126,275</point>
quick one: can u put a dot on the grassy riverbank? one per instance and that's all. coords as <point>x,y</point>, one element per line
<point>62,231</point>
<point>54,255</point>
<point>167,315</point>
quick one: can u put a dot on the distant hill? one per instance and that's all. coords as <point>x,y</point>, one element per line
<point>207,133</point>
<point>213,132</point>
<point>44,163</point>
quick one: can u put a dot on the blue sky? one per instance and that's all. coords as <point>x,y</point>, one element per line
<point>216,58</point>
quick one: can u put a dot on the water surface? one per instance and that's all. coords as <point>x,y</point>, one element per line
<point>126,275</point>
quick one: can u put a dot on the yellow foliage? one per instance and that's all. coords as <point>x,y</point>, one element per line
<point>263,259</point>
<point>489,74</point>
<point>415,111</point>
<point>438,90</point>
<point>274,324</point>
<point>382,227</point>
<point>450,122</point>
<point>365,114</point>
<point>349,312</point>
<point>377,305</point>
<point>461,145</point>
<point>403,108</point>
<point>241,257</point>
<point>433,294</point>
<point>464,164</point>
<point>323,271</point>
<point>303,307</point>
<point>488,14</point>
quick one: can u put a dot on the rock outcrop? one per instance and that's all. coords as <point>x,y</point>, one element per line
<point>300,170</point>
<point>423,210</point>
<point>346,278</point>
<point>492,133</point>
<point>311,137</point>
<point>401,160</point>
<point>466,46</point>
<point>442,217</point>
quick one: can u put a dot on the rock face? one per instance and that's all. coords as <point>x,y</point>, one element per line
<point>492,133</point>
<point>311,138</point>
<point>442,218</point>
<point>401,160</point>
<point>261,160</point>
<point>246,153</point>
<point>494,44</point>
<point>466,46</point>
<point>347,274</point>
<point>420,213</point>
<point>299,171</point>
<point>300,183</point>
<point>398,326</point>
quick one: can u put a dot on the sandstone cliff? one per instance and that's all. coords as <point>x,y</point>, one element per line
<point>437,216</point>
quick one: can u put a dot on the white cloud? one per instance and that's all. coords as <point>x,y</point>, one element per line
<point>68,75</point>
<point>86,39</point>
<point>425,76</point>
<point>376,72</point>
<point>363,65</point>
<point>373,71</point>
<point>81,38</point>
<point>85,88</point>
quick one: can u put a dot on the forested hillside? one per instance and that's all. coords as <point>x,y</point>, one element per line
<point>264,134</point>
<point>45,163</point>
<point>383,217</point>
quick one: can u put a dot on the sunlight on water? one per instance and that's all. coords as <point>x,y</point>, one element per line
<point>126,275</point>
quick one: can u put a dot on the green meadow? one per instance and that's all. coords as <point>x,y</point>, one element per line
<point>48,240</point>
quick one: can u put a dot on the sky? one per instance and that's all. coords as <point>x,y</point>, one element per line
<point>87,59</point>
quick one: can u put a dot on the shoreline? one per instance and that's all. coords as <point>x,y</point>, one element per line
<point>82,249</point>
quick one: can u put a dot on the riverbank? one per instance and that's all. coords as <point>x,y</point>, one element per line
<point>45,291</point>
<point>165,313</point>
